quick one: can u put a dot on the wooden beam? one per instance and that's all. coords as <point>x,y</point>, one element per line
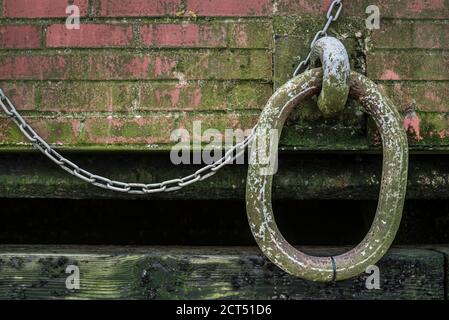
<point>38,272</point>
<point>300,176</point>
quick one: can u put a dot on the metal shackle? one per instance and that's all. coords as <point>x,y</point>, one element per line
<point>392,192</point>
<point>331,54</point>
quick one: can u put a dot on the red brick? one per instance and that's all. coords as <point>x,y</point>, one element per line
<point>81,96</point>
<point>61,131</point>
<point>33,67</point>
<point>409,65</point>
<point>89,36</point>
<point>22,95</point>
<point>250,34</point>
<point>19,37</point>
<point>137,130</point>
<point>117,96</point>
<point>232,121</point>
<point>176,65</point>
<point>297,7</point>
<point>404,9</point>
<point>229,7</point>
<point>411,34</point>
<point>432,36</point>
<point>139,8</point>
<point>424,129</point>
<point>40,8</point>
<point>185,35</point>
<point>428,96</point>
<point>209,95</point>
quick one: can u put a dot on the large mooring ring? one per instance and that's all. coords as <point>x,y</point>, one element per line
<point>392,191</point>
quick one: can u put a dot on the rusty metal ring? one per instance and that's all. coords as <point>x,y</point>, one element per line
<point>392,191</point>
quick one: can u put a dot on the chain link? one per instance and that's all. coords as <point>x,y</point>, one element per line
<point>105,183</point>
<point>333,13</point>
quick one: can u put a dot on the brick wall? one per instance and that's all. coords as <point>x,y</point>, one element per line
<point>137,69</point>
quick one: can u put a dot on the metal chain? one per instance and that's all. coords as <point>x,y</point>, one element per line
<point>333,13</point>
<point>105,183</point>
<point>166,186</point>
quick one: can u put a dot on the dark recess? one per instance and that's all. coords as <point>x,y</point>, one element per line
<point>206,223</point>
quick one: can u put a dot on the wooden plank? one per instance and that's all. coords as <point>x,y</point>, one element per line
<point>202,273</point>
<point>445,252</point>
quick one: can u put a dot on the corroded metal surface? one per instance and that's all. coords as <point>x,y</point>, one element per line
<point>330,53</point>
<point>392,193</point>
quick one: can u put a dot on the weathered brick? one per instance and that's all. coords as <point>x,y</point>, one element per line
<point>393,34</point>
<point>36,67</point>
<point>432,36</point>
<point>22,95</point>
<point>400,34</point>
<point>204,96</point>
<point>60,131</point>
<point>89,36</point>
<point>184,35</point>
<point>68,96</point>
<point>424,129</point>
<point>408,65</point>
<point>423,96</point>
<point>250,34</point>
<point>232,121</point>
<point>139,8</point>
<point>297,7</point>
<point>19,37</point>
<point>229,7</point>
<point>176,65</point>
<point>138,130</point>
<point>41,8</point>
<point>81,96</point>
<point>404,9</point>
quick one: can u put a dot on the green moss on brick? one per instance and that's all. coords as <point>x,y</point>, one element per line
<point>250,34</point>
